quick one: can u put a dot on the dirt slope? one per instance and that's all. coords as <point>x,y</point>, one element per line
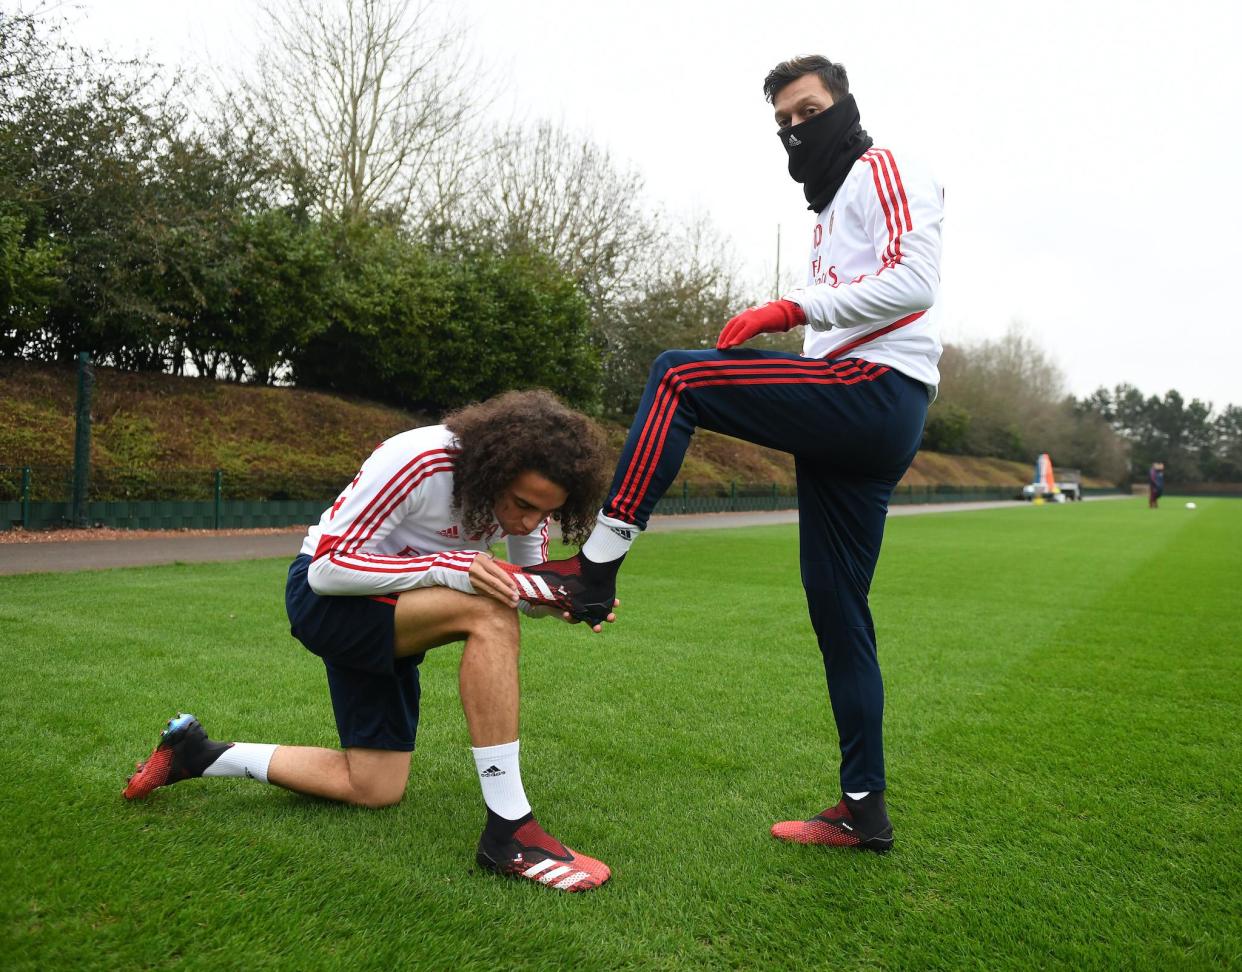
<point>165,421</point>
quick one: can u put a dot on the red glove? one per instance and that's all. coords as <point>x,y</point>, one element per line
<point>779,315</point>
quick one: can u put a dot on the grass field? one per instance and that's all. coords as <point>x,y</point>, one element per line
<point>1065,761</point>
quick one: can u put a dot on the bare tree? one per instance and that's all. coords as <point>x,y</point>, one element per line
<point>687,289</point>
<point>561,193</point>
<point>369,97</point>
<point>1006,397</point>
<point>653,281</point>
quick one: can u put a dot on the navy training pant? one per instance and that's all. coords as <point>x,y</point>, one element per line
<point>853,428</point>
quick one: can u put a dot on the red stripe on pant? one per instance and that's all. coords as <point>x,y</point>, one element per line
<point>704,383</point>
<point>657,413</point>
<point>675,380</point>
<point>705,374</point>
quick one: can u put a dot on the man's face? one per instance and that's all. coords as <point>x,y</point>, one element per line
<point>522,505</point>
<point>800,100</point>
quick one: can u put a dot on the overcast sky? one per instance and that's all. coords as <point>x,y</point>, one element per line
<point>1090,151</point>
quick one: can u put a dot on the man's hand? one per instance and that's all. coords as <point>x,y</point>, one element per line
<point>774,317</point>
<point>543,611</point>
<point>489,579</point>
<point>597,628</point>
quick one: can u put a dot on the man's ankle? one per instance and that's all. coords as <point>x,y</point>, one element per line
<point>595,571</point>
<point>609,541</point>
<point>499,828</point>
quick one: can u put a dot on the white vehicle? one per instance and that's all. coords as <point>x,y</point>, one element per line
<point>1052,487</point>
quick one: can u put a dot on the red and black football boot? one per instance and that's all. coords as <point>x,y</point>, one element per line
<point>585,589</point>
<point>851,823</point>
<point>534,590</point>
<point>184,751</point>
<point>532,853</point>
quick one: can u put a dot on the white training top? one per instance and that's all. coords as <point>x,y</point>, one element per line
<point>875,269</point>
<point>394,528</point>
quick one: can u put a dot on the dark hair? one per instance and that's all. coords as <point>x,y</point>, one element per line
<point>527,431</point>
<point>833,75</point>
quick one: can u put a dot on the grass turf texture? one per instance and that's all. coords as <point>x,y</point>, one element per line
<point>1064,764</point>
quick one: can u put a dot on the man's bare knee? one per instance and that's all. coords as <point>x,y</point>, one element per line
<point>377,798</point>
<point>375,794</point>
<point>495,620</point>
<point>429,617</point>
<point>377,782</point>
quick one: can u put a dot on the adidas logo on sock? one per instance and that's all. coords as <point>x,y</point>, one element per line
<point>622,533</point>
<point>493,771</point>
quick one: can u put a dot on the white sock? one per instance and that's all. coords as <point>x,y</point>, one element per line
<point>249,760</point>
<point>610,540</point>
<point>858,796</point>
<point>501,780</point>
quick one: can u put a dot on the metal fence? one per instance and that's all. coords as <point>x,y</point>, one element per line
<point>745,497</point>
<point>168,499</point>
<point>165,499</point>
<point>1201,489</point>
<point>154,483</point>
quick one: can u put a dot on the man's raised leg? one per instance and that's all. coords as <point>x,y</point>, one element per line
<point>771,398</point>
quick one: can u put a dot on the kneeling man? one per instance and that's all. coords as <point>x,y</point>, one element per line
<point>398,565</point>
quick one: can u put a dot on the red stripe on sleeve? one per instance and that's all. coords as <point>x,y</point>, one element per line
<point>384,494</point>
<point>891,200</point>
<point>873,161</point>
<point>378,515</point>
<point>367,564</point>
<point>900,188</point>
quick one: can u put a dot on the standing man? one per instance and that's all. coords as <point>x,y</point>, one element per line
<point>1155,484</point>
<point>850,409</point>
<point>398,565</point>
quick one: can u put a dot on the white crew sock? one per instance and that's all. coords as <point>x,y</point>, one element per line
<point>610,540</point>
<point>501,780</point>
<point>249,760</point>
<point>858,796</point>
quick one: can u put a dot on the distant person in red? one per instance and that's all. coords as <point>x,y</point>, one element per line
<point>1155,484</point>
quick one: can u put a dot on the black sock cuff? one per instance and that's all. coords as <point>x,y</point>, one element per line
<point>870,809</point>
<point>208,753</point>
<point>501,828</point>
<point>592,570</point>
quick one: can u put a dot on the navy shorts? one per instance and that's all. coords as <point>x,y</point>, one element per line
<point>374,693</point>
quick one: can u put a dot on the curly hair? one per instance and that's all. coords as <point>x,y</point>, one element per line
<point>527,431</point>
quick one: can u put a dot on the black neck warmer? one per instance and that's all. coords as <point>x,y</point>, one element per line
<point>822,149</point>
